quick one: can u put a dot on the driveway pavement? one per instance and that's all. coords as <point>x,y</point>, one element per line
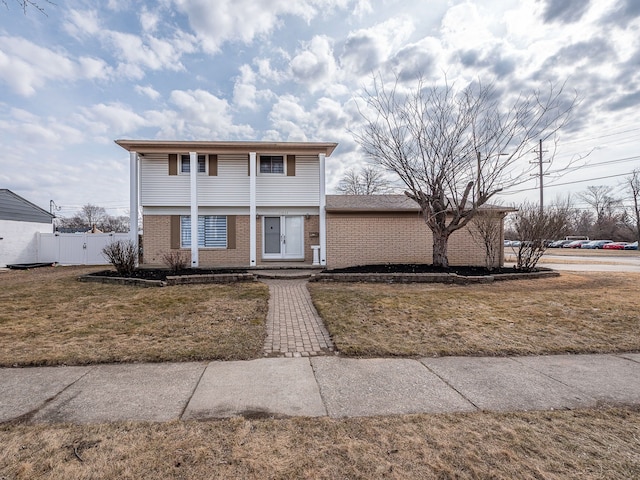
<point>596,262</point>
<point>315,386</point>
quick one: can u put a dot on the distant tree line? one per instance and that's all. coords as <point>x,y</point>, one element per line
<point>607,216</point>
<point>90,216</point>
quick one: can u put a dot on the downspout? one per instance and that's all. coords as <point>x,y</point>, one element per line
<point>253,231</point>
<point>323,212</point>
<point>193,176</point>
<point>133,202</point>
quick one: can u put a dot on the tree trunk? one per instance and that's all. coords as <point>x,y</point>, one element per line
<point>440,258</point>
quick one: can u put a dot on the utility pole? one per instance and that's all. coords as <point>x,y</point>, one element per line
<point>541,174</point>
<point>541,178</point>
<point>53,206</point>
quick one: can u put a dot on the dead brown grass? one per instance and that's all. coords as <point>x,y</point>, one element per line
<point>586,444</point>
<point>579,313</point>
<point>50,318</point>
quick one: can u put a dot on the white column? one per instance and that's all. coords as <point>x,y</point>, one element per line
<point>193,168</point>
<point>253,231</point>
<point>323,213</point>
<point>133,200</point>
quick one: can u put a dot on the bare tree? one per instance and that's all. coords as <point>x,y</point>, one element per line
<point>114,224</point>
<point>454,150</point>
<point>25,4</point>
<point>600,198</point>
<point>93,215</point>
<point>633,185</point>
<point>534,227</point>
<point>366,181</point>
<point>609,215</point>
<point>487,230</point>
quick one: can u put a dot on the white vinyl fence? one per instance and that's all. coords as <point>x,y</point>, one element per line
<point>75,248</point>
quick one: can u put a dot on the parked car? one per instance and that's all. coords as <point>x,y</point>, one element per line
<point>631,246</point>
<point>615,246</point>
<point>558,243</point>
<point>596,244</point>
<point>575,244</point>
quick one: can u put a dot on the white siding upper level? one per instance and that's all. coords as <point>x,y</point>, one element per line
<point>230,187</point>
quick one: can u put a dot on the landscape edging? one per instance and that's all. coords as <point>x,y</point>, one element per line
<point>138,282</point>
<point>172,280</point>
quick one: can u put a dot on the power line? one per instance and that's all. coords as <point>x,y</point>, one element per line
<point>565,183</point>
<point>579,140</point>
<point>590,165</point>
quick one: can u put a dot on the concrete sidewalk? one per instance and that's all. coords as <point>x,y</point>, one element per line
<point>316,386</point>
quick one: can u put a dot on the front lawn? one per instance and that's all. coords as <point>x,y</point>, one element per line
<point>576,313</point>
<point>48,317</point>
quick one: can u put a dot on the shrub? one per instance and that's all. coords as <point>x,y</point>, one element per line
<point>534,226</point>
<point>122,255</point>
<point>176,260</point>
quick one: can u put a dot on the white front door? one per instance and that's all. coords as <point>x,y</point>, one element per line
<point>283,237</point>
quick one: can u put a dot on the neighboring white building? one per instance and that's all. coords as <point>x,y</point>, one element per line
<point>20,222</point>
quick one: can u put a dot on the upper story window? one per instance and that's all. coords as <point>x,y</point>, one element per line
<point>185,164</point>
<point>271,164</point>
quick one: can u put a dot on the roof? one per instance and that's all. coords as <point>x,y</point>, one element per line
<point>173,146</point>
<point>385,203</point>
<point>371,203</point>
<point>14,207</point>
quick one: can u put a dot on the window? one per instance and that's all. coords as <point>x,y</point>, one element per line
<point>185,164</point>
<point>271,164</point>
<point>212,231</point>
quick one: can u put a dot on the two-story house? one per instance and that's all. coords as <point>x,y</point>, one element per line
<point>254,202</point>
<point>260,202</point>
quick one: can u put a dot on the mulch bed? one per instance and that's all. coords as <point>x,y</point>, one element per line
<point>163,273</point>
<point>467,271</point>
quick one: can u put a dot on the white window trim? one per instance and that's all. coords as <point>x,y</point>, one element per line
<point>284,164</point>
<point>186,157</point>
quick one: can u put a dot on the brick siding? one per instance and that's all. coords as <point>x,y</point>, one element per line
<point>157,242</point>
<point>352,239</point>
<point>358,239</point>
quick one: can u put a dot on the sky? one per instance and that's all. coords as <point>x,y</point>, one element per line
<point>85,73</point>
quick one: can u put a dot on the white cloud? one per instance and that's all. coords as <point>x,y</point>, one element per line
<point>362,8</point>
<point>315,65</point>
<point>268,73</point>
<point>111,120</point>
<point>134,53</point>
<point>20,125</point>
<point>464,25</point>
<point>150,52</point>
<point>243,20</point>
<point>418,59</point>
<point>326,120</point>
<point>25,66</point>
<point>202,115</point>
<point>148,91</point>
<point>244,89</point>
<point>366,50</point>
<point>289,117</point>
<point>82,23</point>
<point>149,20</point>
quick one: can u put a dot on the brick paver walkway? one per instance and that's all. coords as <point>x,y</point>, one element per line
<point>294,328</point>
